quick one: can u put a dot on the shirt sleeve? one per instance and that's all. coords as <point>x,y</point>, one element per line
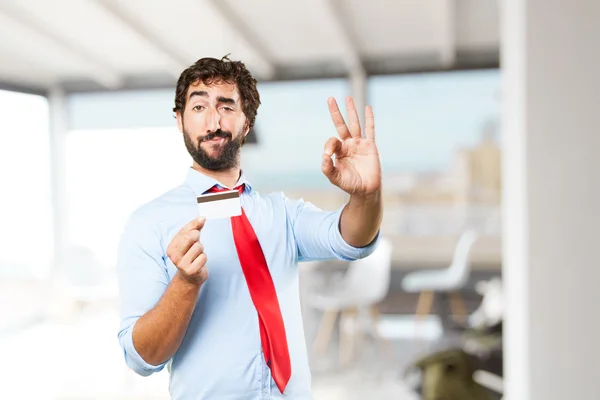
<point>318,235</point>
<point>143,279</point>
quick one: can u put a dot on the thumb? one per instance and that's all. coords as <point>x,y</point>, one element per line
<point>199,223</point>
<point>195,224</point>
<point>328,169</point>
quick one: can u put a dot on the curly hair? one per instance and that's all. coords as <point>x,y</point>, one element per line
<point>211,70</point>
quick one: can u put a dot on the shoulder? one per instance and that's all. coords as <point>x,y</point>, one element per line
<point>277,201</point>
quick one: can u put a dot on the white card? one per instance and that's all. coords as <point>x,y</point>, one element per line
<point>220,205</point>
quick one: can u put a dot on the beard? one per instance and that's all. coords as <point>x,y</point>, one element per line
<point>227,157</point>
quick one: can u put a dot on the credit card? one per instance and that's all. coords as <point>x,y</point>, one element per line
<point>220,205</point>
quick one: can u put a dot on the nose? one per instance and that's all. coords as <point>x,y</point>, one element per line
<point>213,122</point>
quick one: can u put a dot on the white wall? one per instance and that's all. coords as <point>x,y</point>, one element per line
<point>552,178</point>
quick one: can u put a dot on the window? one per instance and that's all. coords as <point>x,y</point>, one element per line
<point>422,119</point>
<point>292,126</point>
<point>26,212</point>
<point>110,173</point>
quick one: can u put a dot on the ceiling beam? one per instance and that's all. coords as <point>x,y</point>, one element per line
<point>20,88</point>
<point>374,66</point>
<point>99,71</point>
<point>241,28</point>
<point>448,33</point>
<point>350,53</point>
<point>176,61</point>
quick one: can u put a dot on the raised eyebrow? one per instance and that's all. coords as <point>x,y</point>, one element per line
<point>226,100</point>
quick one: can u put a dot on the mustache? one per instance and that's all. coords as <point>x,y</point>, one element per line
<point>218,133</point>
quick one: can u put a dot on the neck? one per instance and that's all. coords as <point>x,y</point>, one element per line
<point>226,178</point>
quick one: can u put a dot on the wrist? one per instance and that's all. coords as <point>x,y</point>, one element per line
<point>191,283</point>
<point>366,199</point>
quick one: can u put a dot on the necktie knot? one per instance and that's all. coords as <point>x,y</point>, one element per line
<point>217,189</point>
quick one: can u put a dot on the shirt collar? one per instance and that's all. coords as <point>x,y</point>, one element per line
<point>200,183</point>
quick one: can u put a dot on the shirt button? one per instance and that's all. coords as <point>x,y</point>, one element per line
<point>265,390</point>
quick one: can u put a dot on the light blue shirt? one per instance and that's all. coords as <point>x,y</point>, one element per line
<point>221,356</point>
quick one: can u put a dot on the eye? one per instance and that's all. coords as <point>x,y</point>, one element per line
<point>198,108</point>
<point>228,109</point>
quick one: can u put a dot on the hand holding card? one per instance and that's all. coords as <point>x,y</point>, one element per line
<point>187,252</point>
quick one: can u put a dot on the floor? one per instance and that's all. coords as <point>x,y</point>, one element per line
<point>76,356</point>
<point>378,368</point>
<point>65,365</point>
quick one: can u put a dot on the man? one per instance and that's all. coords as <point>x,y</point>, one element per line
<point>217,300</point>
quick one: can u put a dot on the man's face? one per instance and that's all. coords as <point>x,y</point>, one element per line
<point>213,125</point>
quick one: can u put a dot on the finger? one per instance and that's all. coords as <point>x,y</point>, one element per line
<point>338,119</point>
<point>332,146</point>
<point>194,251</point>
<point>369,123</point>
<point>184,241</point>
<point>353,121</point>
<point>329,169</point>
<point>195,224</point>
<point>199,262</point>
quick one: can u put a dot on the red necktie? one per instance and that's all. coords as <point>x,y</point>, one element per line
<point>264,296</point>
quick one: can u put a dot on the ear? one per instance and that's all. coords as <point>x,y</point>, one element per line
<point>246,128</point>
<point>179,121</point>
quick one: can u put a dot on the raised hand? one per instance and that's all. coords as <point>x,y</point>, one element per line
<point>187,253</point>
<point>357,168</point>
